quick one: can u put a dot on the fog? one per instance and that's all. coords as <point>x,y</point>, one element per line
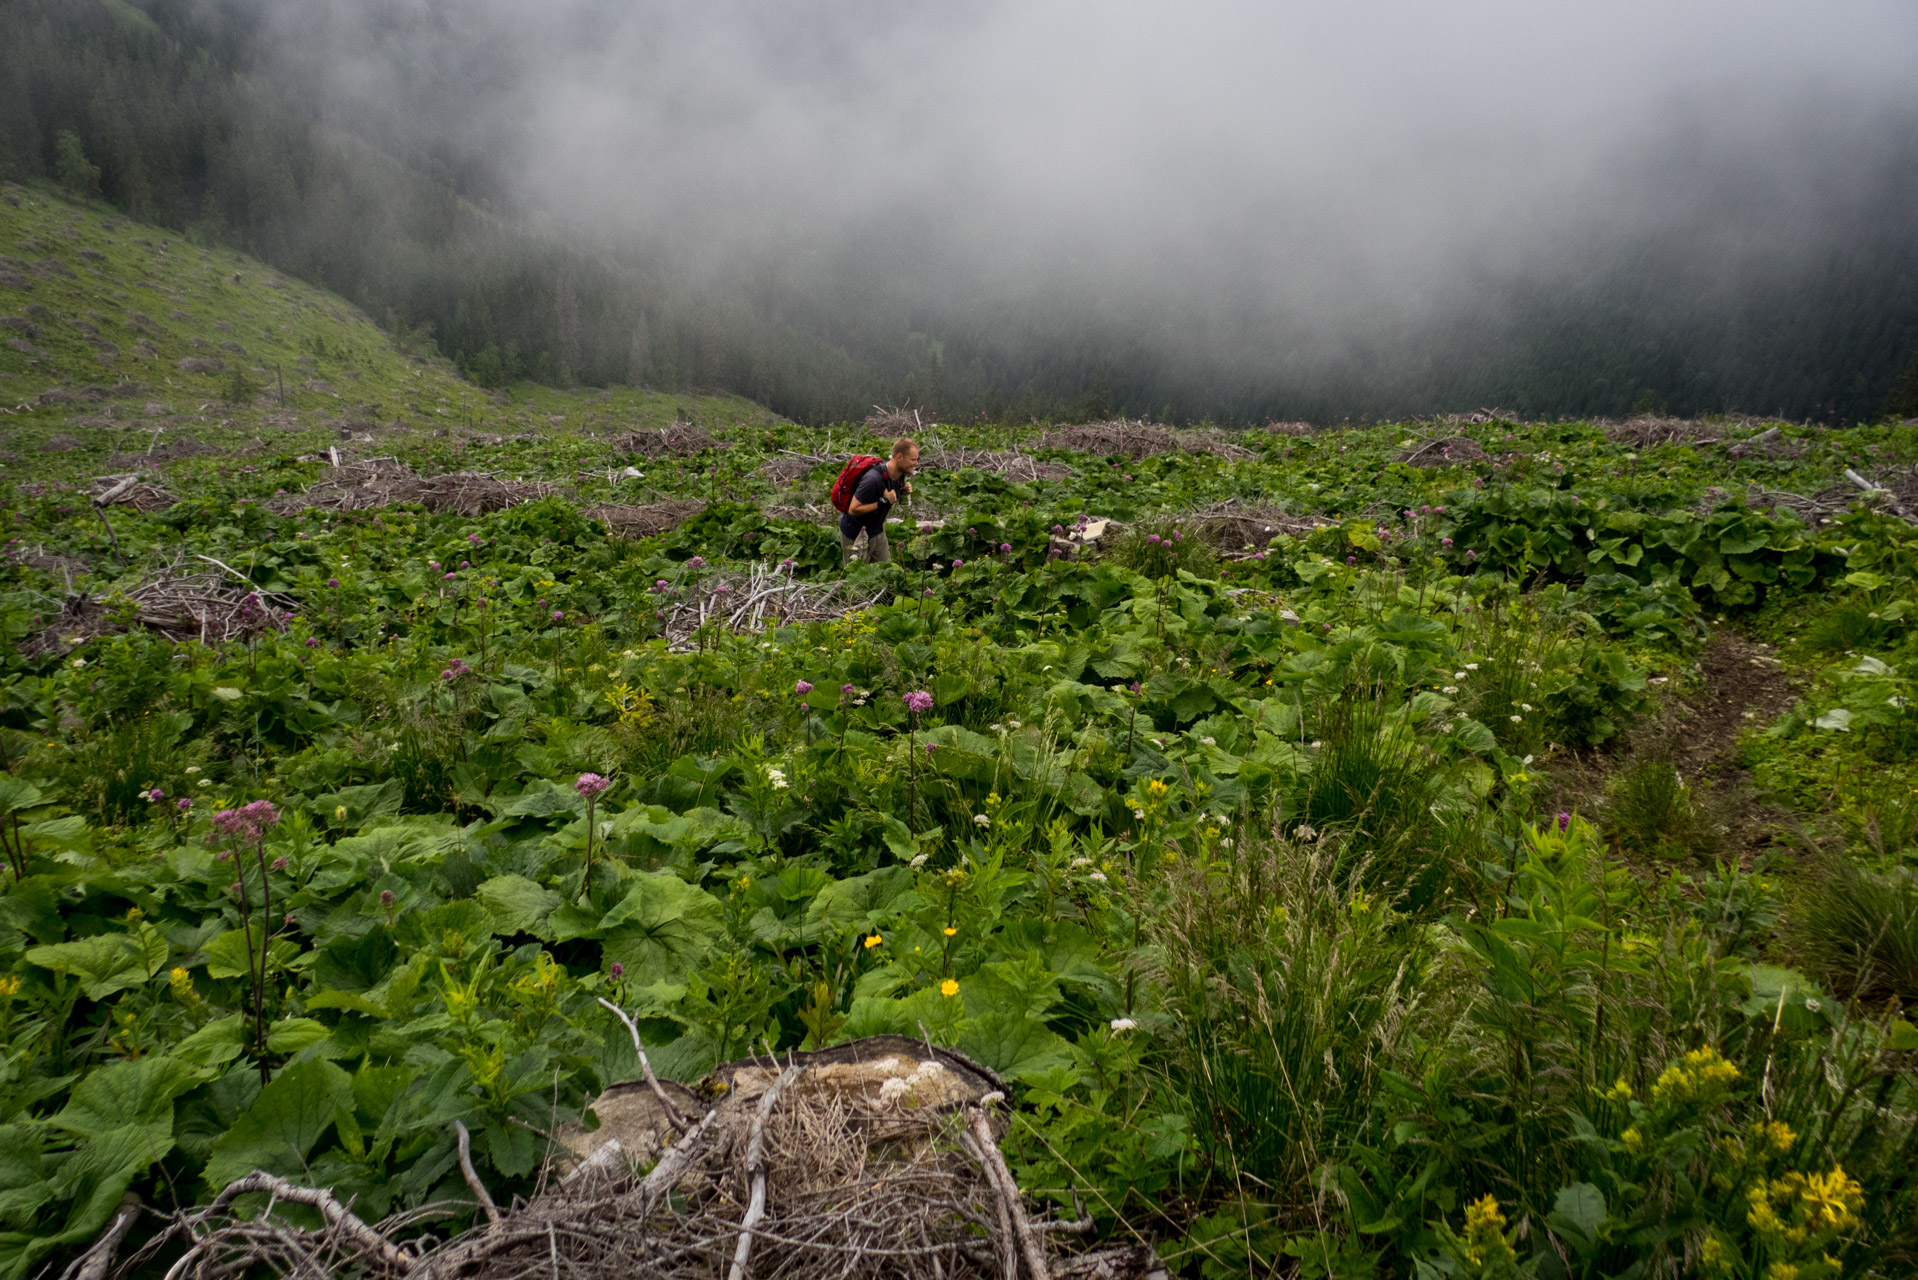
<point>1274,194</point>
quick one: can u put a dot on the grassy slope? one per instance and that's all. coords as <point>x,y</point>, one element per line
<point>117,304</point>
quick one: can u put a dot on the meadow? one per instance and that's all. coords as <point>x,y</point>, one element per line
<point>1453,848</point>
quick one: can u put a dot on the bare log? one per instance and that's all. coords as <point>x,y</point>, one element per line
<point>994,1164</point>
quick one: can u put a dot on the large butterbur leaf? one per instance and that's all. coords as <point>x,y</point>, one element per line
<point>662,929</point>
<point>278,1131</point>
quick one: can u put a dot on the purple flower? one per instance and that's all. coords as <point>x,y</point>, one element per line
<point>1471,555</point>
<point>661,585</point>
<point>591,785</point>
<point>1180,536</point>
<point>312,642</point>
<point>724,588</point>
<point>186,802</point>
<point>559,615</point>
<point>466,564</point>
<point>931,747</point>
<point>1005,548</point>
<point>970,531</point>
<point>434,565</point>
<point>919,702</point>
<point>1564,820</point>
<point>697,562</point>
<point>1152,538</point>
<point>1445,542</point>
<point>1058,528</point>
<point>234,887</point>
<point>473,538</point>
<point>1351,559</point>
<point>451,576</point>
<point>788,563</point>
<point>279,864</point>
<point>617,970</point>
<point>957,563</point>
<point>386,897</point>
<point>805,706</point>
<point>446,675</point>
<point>803,687</point>
<point>846,690</point>
<point>333,582</point>
<point>156,795</point>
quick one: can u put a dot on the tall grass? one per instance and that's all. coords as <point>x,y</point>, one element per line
<point>1858,929</point>
<point>1375,787</point>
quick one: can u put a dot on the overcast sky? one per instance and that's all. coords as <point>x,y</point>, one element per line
<point>1322,172</point>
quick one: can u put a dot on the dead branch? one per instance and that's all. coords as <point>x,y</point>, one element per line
<point>467,1171</point>
<point>365,1239</point>
<point>673,1116</point>
<point>95,1262</point>
<point>756,1170</point>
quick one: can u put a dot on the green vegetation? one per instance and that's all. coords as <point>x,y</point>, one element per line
<point>1231,846</point>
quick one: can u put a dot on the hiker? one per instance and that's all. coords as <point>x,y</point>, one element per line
<point>873,494</point>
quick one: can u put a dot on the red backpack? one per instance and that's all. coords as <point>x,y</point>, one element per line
<point>849,479</point>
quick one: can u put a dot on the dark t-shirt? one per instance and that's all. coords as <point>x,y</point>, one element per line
<point>871,488</point>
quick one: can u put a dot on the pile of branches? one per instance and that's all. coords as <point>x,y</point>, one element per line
<point>789,466</point>
<point>874,1159</point>
<point>894,422</point>
<point>769,595</point>
<point>383,482</point>
<point>1290,428</point>
<point>182,602</point>
<point>643,520</point>
<point>130,491</point>
<point>1140,439</point>
<point>1237,526</point>
<point>680,440</point>
<point>1442,451</point>
<point>1646,432</point>
<point>1014,464</point>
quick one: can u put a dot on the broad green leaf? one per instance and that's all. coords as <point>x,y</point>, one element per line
<point>290,1035</point>
<point>1013,1045</point>
<point>107,962</point>
<point>662,929</point>
<point>1837,718</point>
<point>126,1094</point>
<point>1578,1212</point>
<point>214,1045</point>
<point>226,955</point>
<point>280,1128</point>
<point>518,905</point>
<point>17,794</point>
<point>859,901</point>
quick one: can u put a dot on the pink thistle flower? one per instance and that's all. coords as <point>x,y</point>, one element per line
<point>591,785</point>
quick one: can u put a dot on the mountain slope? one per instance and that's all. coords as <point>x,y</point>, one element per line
<point>121,341</point>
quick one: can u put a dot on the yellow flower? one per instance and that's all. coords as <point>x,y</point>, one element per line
<point>949,988</point>
<point>951,932</point>
<point>1156,787</point>
<point>873,940</point>
<point>1620,1092</point>
<point>1634,1140</point>
<point>1714,1259</point>
<point>9,987</point>
<point>339,813</point>
<point>1781,1271</point>
<point>1776,1132</point>
<point>1485,1242</point>
<point>1696,1077</point>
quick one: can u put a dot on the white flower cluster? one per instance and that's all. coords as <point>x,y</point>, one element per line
<point>981,820</point>
<point>896,1087</point>
<point>777,777</point>
<point>1122,1025</point>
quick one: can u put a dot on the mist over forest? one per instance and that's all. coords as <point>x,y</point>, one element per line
<point>1221,211</point>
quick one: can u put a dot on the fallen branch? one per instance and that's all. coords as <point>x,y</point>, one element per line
<point>673,1117</point>
<point>480,1193</point>
<point>994,1163</point>
<point>94,1263</point>
<point>756,1170</point>
<point>369,1243</point>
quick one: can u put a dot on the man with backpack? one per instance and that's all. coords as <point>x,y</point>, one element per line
<point>866,490</point>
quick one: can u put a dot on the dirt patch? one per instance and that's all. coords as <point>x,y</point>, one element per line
<point>1741,686</point>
